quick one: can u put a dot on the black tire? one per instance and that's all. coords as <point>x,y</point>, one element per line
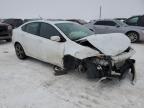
<point>20,51</point>
<point>8,40</point>
<point>59,71</point>
<point>133,36</point>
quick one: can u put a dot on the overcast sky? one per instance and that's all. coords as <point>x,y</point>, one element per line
<point>83,9</point>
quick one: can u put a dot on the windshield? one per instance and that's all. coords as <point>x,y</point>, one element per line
<point>74,31</point>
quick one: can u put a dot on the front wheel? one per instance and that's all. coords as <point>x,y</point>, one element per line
<point>20,51</point>
<point>133,36</point>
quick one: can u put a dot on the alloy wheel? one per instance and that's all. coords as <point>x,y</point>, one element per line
<point>133,37</point>
<point>19,51</point>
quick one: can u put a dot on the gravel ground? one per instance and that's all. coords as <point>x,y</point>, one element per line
<point>31,84</point>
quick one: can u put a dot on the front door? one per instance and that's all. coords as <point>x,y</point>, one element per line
<point>51,51</point>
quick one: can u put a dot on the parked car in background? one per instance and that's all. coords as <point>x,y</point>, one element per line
<point>1,20</point>
<point>13,22</point>
<point>135,21</point>
<point>115,26</point>
<point>55,19</point>
<point>79,21</point>
<point>32,19</point>
<point>121,19</point>
<point>69,45</point>
<point>5,32</point>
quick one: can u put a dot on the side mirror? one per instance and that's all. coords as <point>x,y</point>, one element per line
<point>55,38</point>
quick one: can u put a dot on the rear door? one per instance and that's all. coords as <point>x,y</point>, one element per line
<point>103,27</point>
<point>112,27</point>
<point>31,39</point>
<point>99,27</point>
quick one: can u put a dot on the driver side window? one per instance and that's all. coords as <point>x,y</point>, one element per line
<point>47,30</point>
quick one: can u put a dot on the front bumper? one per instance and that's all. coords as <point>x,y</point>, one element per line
<point>121,64</point>
<point>123,56</point>
<point>110,67</point>
<point>5,35</point>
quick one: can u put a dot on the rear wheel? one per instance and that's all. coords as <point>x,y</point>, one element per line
<point>133,36</point>
<point>20,51</point>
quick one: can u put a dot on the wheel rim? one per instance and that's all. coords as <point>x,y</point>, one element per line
<point>56,68</point>
<point>133,37</point>
<point>19,51</point>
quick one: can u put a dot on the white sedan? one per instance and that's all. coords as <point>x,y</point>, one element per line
<point>68,45</point>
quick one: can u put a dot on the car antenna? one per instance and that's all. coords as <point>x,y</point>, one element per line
<point>100,13</point>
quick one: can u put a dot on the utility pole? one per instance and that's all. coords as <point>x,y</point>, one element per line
<point>100,14</point>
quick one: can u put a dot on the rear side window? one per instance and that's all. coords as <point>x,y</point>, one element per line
<point>47,30</point>
<point>106,23</point>
<point>32,28</point>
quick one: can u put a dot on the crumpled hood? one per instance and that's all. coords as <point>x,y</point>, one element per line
<point>110,44</point>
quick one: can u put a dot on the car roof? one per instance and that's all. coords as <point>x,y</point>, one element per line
<point>136,16</point>
<point>51,22</point>
<point>106,20</point>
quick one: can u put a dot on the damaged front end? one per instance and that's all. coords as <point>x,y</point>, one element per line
<point>101,56</point>
<point>109,66</point>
